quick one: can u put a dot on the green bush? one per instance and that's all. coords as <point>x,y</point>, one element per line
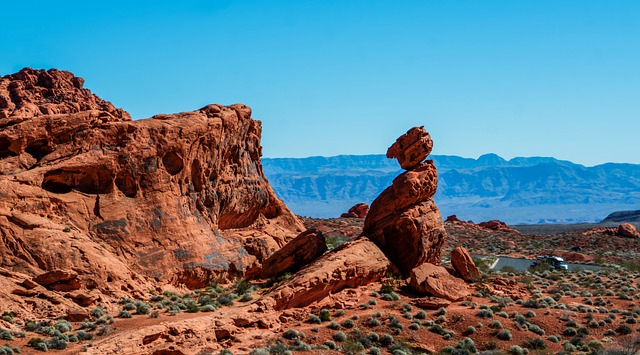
<point>504,334</point>
<point>325,315</point>
<point>339,336</point>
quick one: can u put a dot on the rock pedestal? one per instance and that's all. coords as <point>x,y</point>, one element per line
<point>404,221</point>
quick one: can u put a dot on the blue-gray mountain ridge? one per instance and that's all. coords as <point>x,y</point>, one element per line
<point>518,191</point>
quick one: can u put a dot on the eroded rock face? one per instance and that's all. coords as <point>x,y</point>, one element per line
<point>176,198</point>
<point>463,264</point>
<point>404,221</point>
<point>436,280</point>
<point>350,265</point>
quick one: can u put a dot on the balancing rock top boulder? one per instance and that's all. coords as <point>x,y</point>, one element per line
<point>404,221</point>
<point>125,204</point>
<point>411,148</point>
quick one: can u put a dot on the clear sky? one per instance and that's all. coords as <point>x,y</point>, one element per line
<point>327,77</point>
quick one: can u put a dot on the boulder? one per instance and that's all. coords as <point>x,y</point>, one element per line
<point>431,302</point>
<point>404,221</point>
<point>302,250</point>
<point>436,281</point>
<point>360,210</point>
<point>627,230</point>
<point>350,265</point>
<point>411,148</point>
<point>463,264</point>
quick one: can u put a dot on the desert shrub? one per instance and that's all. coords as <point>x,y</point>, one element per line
<point>373,337</point>
<point>348,323</point>
<point>290,334</point>
<point>386,339</point>
<point>103,330</point>
<point>313,319</point>
<point>536,344</point>
<point>485,313</point>
<point>470,330</point>
<point>530,314</point>
<point>372,322</point>
<point>124,314</point>
<point>325,315</point>
<point>504,334</point>
<point>536,329</point>
<point>97,312</point>
<point>63,326</point>
<point>334,326</point>
<point>570,332</point>
<point>375,351</point>
<point>624,329</point>
<point>595,345</point>
<point>339,313</point>
<point>441,311</point>
<point>495,324</point>
<point>5,334</point>
<point>414,326</point>
<point>554,338</point>
<point>82,335</point>
<point>57,343</point>
<point>516,350</point>
<point>420,314</point>
<point>339,336</point>
<point>38,344</point>
<point>330,344</point>
<point>142,308</point>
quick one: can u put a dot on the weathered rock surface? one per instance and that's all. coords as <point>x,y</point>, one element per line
<point>404,221</point>
<point>126,204</point>
<point>350,265</point>
<point>431,302</point>
<point>463,263</point>
<point>628,230</point>
<point>435,280</point>
<point>411,148</point>
<point>302,250</point>
<point>359,210</point>
<point>497,225</point>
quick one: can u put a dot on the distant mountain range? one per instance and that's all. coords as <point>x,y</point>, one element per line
<point>520,190</point>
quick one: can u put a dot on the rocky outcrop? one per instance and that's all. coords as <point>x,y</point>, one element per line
<point>627,230</point>
<point>463,264</point>
<point>359,210</point>
<point>126,204</point>
<point>404,221</point>
<point>436,280</point>
<point>497,225</point>
<point>350,265</point>
<point>302,250</point>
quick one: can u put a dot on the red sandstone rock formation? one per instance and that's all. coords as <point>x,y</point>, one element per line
<point>497,226</point>
<point>301,251</point>
<point>359,210</point>
<point>411,148</point>
<point>627,230</point>
<point>436,280</point>
<point>404,221</point>
<point>350,265</point>
<point>463,264</point>
<point>111,205</point>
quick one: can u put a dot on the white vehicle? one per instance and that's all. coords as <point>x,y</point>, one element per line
<point>556,262</point>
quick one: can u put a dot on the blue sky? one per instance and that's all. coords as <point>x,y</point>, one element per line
<point>517,78</point>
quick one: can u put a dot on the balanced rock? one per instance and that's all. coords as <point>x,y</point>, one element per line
<point>129,204</point>
<point>411,148</point>
<point>463,264</point>
<point>404,221</point>
<point>435,280</point>
<point>628,230</point>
